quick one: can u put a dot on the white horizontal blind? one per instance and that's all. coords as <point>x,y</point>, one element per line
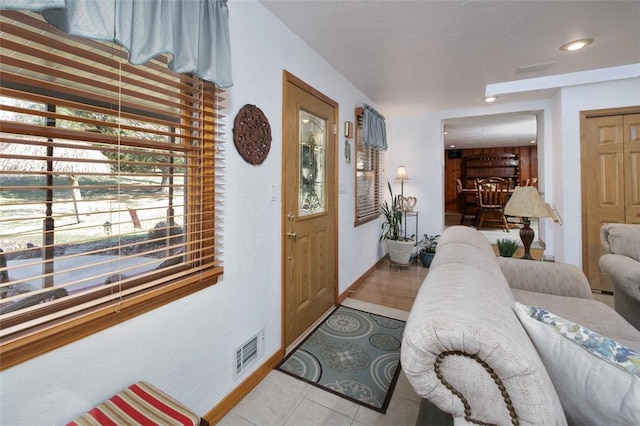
<point>369,163</point>
<point>107,173</point>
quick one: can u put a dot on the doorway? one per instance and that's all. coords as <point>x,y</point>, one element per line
<point>309,202</point>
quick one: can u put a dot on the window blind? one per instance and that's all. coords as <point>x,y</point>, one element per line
<point>369,163</point>
<point>108,175</point>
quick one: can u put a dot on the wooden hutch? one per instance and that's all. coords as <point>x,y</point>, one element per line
<point>504,165</point>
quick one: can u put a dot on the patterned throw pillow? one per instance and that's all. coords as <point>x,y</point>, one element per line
<point>597,379</point>
<point>599,345</point>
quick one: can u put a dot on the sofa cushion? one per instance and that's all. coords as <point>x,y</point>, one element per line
<point>594,314</point>
<point>596,378</point>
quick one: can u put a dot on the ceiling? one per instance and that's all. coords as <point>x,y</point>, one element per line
<point>422,56</point>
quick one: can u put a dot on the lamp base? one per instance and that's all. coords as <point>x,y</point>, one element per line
<point>526,235</point>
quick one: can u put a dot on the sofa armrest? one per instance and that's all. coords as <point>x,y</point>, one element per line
<point>464,349</point>
<point>561,279</point>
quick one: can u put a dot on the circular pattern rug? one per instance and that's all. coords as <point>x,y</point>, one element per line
<point>353,354</point>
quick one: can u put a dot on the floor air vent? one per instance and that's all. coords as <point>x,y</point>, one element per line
<point>249,352</point>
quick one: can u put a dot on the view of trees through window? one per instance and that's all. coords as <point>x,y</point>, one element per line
<point>105,200</point>
<point>107,177</point>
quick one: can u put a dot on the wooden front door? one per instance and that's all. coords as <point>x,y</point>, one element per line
<point>610,183</point>
<point>309,206</point>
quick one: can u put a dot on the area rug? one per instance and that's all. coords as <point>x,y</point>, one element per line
<point>353,354</point>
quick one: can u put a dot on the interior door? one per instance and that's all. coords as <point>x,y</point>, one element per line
<point>632,167</point>
<point>309,206</point>
<point>610,184</point>
<point>604,191</point>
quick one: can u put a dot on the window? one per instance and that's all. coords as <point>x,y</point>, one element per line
<point>369,163</point>
<point>108,186</point>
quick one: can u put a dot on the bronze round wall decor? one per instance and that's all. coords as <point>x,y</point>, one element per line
<point>252,134</point>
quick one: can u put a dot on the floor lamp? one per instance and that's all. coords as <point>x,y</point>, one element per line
<point>526,203</point>
<point>401,175</point>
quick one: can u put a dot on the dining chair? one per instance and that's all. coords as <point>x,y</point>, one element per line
<point>493,194</point>
<point>468,202</point>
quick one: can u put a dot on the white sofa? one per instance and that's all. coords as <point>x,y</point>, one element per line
<point>473,351</point>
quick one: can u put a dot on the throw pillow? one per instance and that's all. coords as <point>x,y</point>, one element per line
<point>596,378</point>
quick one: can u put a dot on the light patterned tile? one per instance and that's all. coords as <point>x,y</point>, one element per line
<point>285,381</point>
<point>268,404</point>
<point>333,402</point>
<point>311,413</point>
<point>232,419</point>
<point>376,309</point>
<point>401,411</point>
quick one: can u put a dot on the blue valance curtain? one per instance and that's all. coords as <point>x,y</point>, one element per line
<point>374,129</point>
<point>194,32</point>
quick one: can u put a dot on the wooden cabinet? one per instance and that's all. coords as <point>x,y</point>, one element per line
<point>504,165</point>
<point>455,168</point>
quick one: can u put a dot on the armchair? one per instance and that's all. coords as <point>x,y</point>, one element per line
<point>621,264</point>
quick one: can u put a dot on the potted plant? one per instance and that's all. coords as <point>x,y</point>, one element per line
<point>507,247</point>
<point>398,246</point>
<point>428,249</point>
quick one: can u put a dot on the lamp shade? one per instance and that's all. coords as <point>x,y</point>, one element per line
<point>526,202</point>
<point>401,174</point>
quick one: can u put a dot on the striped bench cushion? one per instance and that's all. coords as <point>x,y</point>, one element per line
<point>139,404</point>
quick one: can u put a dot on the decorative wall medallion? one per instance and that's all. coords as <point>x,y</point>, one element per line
<point>252,134</point>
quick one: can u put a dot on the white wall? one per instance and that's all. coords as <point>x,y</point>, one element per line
<point>187,348</point>
<point>416,141</point>
<point>567,105</point>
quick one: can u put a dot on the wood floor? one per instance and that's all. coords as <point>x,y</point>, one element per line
<point>391,285</point>
<point>396,286</point>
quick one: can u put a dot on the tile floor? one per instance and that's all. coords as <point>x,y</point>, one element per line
<point>283,400</point>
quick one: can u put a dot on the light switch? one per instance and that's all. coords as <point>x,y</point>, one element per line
<point>273,192</point>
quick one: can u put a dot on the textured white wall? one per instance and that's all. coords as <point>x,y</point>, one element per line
<point>567,107</point>
<point>187,348</point>
<point>416,142</point>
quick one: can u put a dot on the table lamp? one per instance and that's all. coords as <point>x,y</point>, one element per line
<point>526,203</point>
<point>401,175</point>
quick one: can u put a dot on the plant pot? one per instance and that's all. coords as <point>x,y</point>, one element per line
<point>400,251</point>
<point>426,259</point>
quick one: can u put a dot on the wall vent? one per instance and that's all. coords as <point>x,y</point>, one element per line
<point>250,351</point>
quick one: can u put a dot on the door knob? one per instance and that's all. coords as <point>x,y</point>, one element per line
<point>292,235</point>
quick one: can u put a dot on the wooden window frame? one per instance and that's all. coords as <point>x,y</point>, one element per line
<point>28,339</point>
<point>372,164</point>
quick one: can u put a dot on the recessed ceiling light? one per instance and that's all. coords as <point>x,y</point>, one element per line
<point>446,133</point>
<point>452,146</point>
<point>490,98</point>
<point>532,141</point>
<point>576,44</point>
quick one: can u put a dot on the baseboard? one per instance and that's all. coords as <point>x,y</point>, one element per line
<point>354,287</point>
<point>222,409</point>
<point>226,405</point>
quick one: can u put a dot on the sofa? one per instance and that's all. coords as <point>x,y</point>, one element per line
<point>493,340</point>
<point>621,265</point>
